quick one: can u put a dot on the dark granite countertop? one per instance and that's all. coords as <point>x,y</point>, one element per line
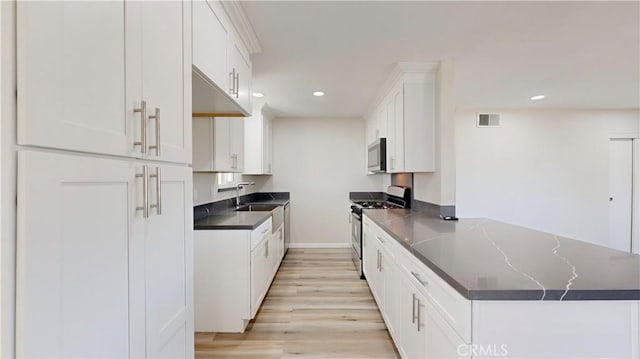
<point>489,260</point>
<point>231,219</point>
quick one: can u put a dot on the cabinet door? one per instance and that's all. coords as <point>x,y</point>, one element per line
<point>71,86</point>
<point>73,255</point>
<point>259,274</point>
<point>169,265</point>
<point>253,129</point>
<point>222,156</point>
<point>395,130</point>
<point>392,136</point>
<point>241,66</point>
<point>277,241</point>
<point>274,255</point>
<point>390,274</point>
<point>280,245</point>
<point>419,127</point>
<point>203,144</point>
<point>411,319</point>
<point>267,145</point>
<point>166,78</point>
<point>441,340</point>
<point>210,48</point>
<point>369,257</point>
<point>236,133</point>
<point>399,134</point>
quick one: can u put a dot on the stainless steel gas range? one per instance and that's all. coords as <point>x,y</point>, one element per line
<point>395,197</point>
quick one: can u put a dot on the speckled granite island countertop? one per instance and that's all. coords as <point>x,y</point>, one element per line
<point>489,260</point>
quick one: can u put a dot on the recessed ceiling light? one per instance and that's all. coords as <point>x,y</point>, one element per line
<point>318,93</point>
<point>537,97</point>
<point>258,94</point>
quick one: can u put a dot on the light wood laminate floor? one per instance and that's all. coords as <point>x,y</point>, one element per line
<point>317,307</point>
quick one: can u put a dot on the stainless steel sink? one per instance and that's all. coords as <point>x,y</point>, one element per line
<point>277,212</point>
<point>257,207</point>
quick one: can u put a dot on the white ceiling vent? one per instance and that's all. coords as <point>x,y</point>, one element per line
<point>488,120</point>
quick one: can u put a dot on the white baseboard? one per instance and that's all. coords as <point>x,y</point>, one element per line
<point>319,245</point>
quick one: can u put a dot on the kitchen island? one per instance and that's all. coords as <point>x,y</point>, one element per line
<point>489,288</point>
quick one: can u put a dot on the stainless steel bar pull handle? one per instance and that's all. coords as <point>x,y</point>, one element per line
<point>232,77</point>
<point>156,117</point>
<point>413,308</point>
<point>237,85</point>
<point>143,126</point>
<point>158,177</point>
<point>145,192</point>
<point>418,325</point>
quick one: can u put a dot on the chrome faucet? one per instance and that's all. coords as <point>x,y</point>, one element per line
<point>238,186</point>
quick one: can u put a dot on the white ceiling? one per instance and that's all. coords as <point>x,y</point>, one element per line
<point>578,54</point>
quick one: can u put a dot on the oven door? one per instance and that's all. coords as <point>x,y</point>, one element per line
<point>356,234</point>
<point>356,243</point>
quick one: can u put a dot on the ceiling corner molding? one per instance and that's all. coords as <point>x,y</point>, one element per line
<point>242,25</point>
<point>400,69</point>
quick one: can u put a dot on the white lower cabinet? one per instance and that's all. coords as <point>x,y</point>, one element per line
<point>441,340</point>
<point>390,276</point>
<point>260,258</point>
<point>425,319</point>
<point>233,272</point>
<point>277,242</point>
<point>95,276</point>
<point>412,342</point>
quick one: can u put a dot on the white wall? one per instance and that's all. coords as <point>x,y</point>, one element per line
<point>7,178</point>
<point>546,170</point>
<point>320,161</point>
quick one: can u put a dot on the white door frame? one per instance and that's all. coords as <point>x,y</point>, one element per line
<point>635,191</point>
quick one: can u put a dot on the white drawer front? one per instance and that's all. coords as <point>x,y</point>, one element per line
<point>259,234</point>
<point>453,307</point>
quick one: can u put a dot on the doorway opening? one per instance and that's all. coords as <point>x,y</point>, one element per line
<point>624,168</point>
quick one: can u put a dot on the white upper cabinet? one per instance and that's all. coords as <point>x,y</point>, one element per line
<point>258,141</point>
<point>210,37</point>
<point>166,80</point>
<point>218,144</point>
<point>71,87</point>
<point>221,64</point>
<point>86,69</point>
<point>405,115</point>
<point>240,66</point>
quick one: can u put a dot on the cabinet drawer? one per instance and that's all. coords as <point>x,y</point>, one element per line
<point>261,233</point>
<point>453,307</point>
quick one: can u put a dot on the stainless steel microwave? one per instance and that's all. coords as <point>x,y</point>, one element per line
<point>377,158</point>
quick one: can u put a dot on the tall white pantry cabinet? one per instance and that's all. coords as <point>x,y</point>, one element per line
<point>105,229</point>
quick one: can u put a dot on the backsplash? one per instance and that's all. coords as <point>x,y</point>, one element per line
<point>366,196</point>
<point>204,210</point>
<point>205,187</point>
